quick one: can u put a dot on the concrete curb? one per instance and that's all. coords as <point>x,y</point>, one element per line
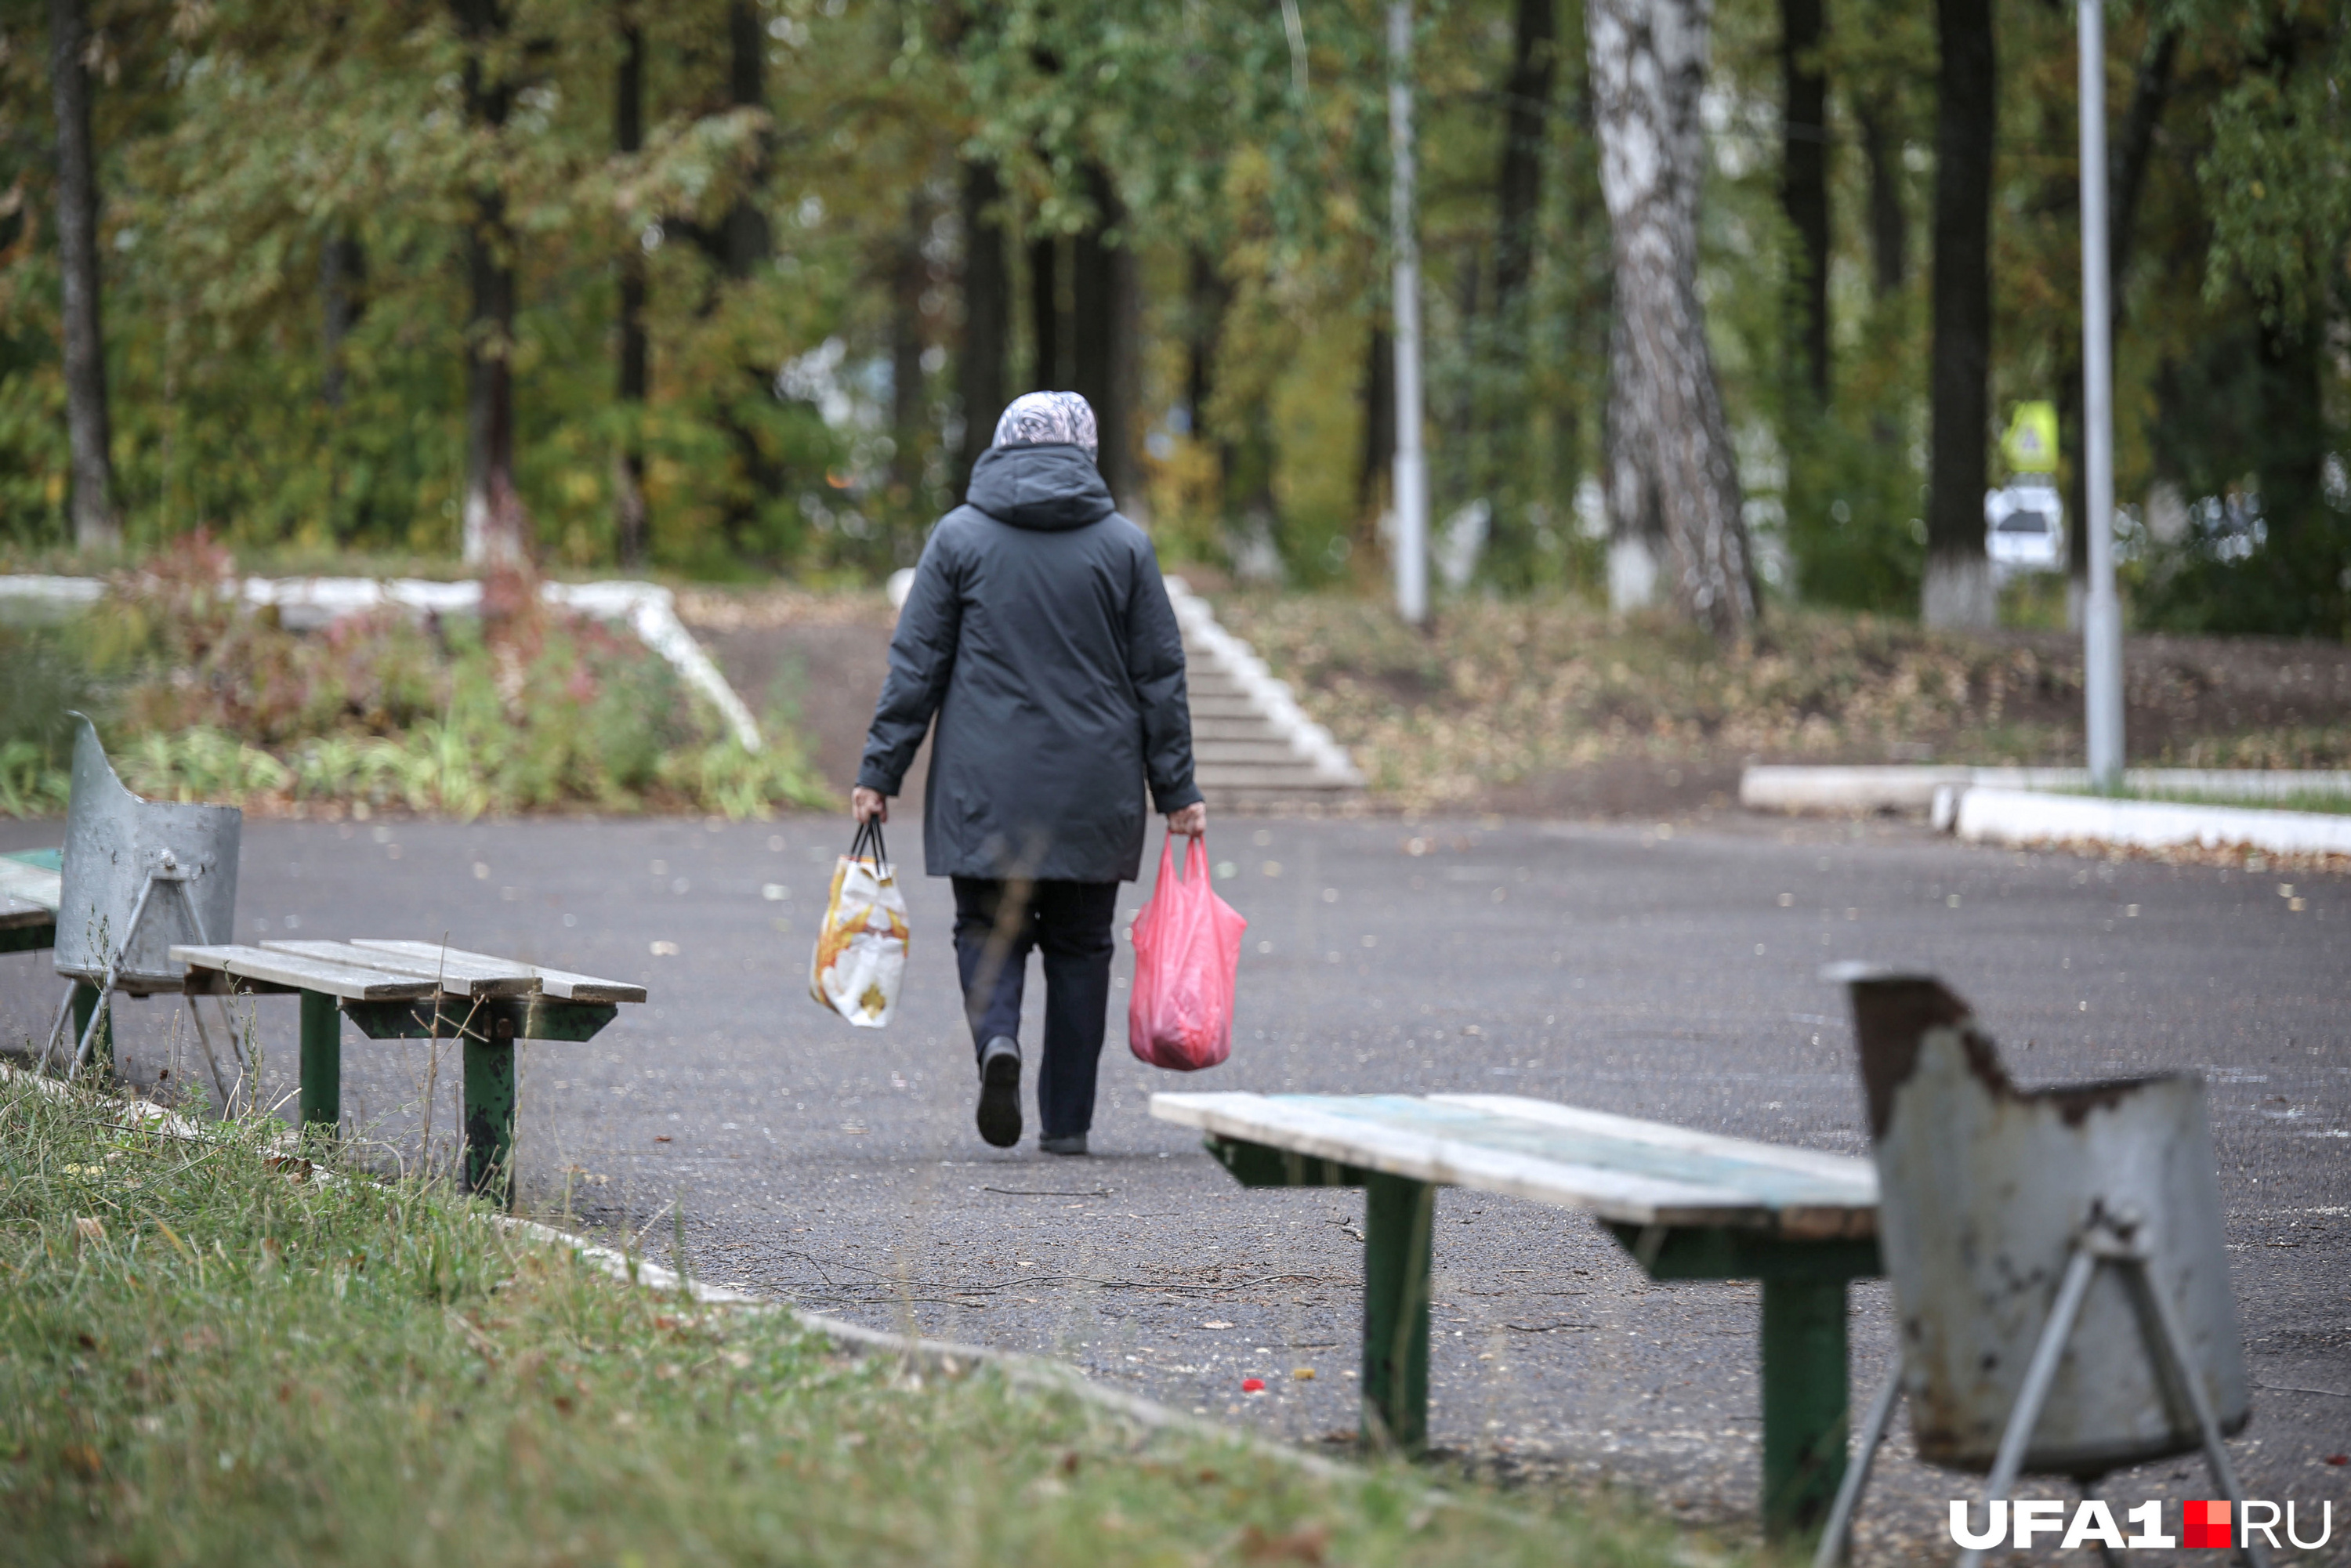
<point>1272,698</point>
<point>649,609</point>
<point>1914,788</point>
<point>2029,817</point>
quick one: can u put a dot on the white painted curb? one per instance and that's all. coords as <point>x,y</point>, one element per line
<point>2029,817</point>
<point>1914,788</point>
<point>649,609</point>
<point>1271,699</point>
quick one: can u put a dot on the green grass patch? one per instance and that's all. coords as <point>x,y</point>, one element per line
<point>208,1359</point>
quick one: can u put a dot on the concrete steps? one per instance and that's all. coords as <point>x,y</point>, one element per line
<point>1253,749</point>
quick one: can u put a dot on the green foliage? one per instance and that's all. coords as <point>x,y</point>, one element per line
<point>247,143</point>
<point>209,1358</point>
<point>201,698</point>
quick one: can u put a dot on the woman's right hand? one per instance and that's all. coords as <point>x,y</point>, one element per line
<point>868,805</point>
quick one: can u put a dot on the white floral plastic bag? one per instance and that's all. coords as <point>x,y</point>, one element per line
<point>861,949</point>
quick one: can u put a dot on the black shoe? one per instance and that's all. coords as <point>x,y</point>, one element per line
<point>1075,1143</point>
<point>1000,1092</point>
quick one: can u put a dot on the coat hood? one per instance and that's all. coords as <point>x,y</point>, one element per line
<point>1049,488</point>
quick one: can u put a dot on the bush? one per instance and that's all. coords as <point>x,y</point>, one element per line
<point>201,697</point>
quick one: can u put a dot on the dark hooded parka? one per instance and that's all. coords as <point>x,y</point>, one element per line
<point>1037,629</point>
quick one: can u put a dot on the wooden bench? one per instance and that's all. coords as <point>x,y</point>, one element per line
<point>418,990</point>
<point>1686,1205</point>
<point>30,891</point>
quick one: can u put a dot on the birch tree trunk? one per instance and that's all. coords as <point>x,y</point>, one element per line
<point>88,428</point>
<point>1648,67</point>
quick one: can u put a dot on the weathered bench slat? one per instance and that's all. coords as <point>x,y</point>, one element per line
<point>1617,1167</point>
<point>1859,1175</point>
<point>1427,1154</point>
<point>14,911</point>
<point>560,983</point>
<point>32,884</point>
<point>341,980</point>
<point>459,975</point>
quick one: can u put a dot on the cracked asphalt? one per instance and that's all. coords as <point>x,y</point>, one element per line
<point>1659,970</point>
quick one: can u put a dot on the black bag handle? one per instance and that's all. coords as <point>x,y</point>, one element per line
<point>869,830</point>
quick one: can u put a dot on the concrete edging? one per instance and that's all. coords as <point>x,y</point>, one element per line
<point>1272,698</point>
<point>1914,788</point>
<point>2028,817</point>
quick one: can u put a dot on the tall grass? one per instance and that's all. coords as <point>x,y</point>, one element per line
<point>207,1359</point>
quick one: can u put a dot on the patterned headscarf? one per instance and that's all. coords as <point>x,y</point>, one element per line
<point>1049,419</point>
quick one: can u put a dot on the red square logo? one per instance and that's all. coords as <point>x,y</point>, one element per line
<point>2206,1524</point>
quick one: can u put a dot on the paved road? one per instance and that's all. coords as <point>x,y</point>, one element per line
<point>1613,966</point>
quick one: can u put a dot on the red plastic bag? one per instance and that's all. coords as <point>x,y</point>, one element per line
<point>1187,952</point>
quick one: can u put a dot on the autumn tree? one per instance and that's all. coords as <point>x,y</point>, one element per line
<point>1670,440</point>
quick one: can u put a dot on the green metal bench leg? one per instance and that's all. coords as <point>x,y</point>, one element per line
<point>1805,1415</point>
<point>490,1115</point>
<point>322,1064</point>
<point>101,1050</point>
<point>1398,1217</point>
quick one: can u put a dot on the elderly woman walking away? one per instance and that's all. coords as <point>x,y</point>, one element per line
<point>1037,629</point>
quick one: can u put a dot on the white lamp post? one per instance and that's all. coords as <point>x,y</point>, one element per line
<point>1411,472</point>
<point>2101,630</point>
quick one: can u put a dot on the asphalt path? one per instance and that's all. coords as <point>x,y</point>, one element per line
<point>1665,971</point>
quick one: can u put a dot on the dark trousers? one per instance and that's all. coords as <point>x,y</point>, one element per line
<point>996,924</point>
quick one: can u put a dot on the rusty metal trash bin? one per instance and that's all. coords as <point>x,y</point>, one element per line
<point>2059,1267</point>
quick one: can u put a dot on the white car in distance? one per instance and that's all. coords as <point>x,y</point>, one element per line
<point>2024,527</point>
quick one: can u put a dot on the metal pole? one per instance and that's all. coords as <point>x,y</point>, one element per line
<point>1411,474</point>
<point>2102,628</point>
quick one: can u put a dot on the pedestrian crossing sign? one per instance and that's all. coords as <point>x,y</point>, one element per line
<point>2031,444</point>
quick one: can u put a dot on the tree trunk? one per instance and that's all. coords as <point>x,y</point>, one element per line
<point>1209,297</point>
<point>1889,217</point>
<point>1958,589</point>
<point>909,424</point>
<point>1506,470</point>
<point>1637,547</point>
<point>1526,125</point>
<point>88,428</point>
<point>342,270</point>
<point>1804,190</point>
<point>497,530</point>
<point>745,240</point>
<point>632,527</point>
<point>1106,322</point>
<point>986,315</point>
<point>1649,69</point>
<point>1049,371</point>
<point>1371,480</point>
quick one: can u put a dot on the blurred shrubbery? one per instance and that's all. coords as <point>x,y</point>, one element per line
<point>201,697</point>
